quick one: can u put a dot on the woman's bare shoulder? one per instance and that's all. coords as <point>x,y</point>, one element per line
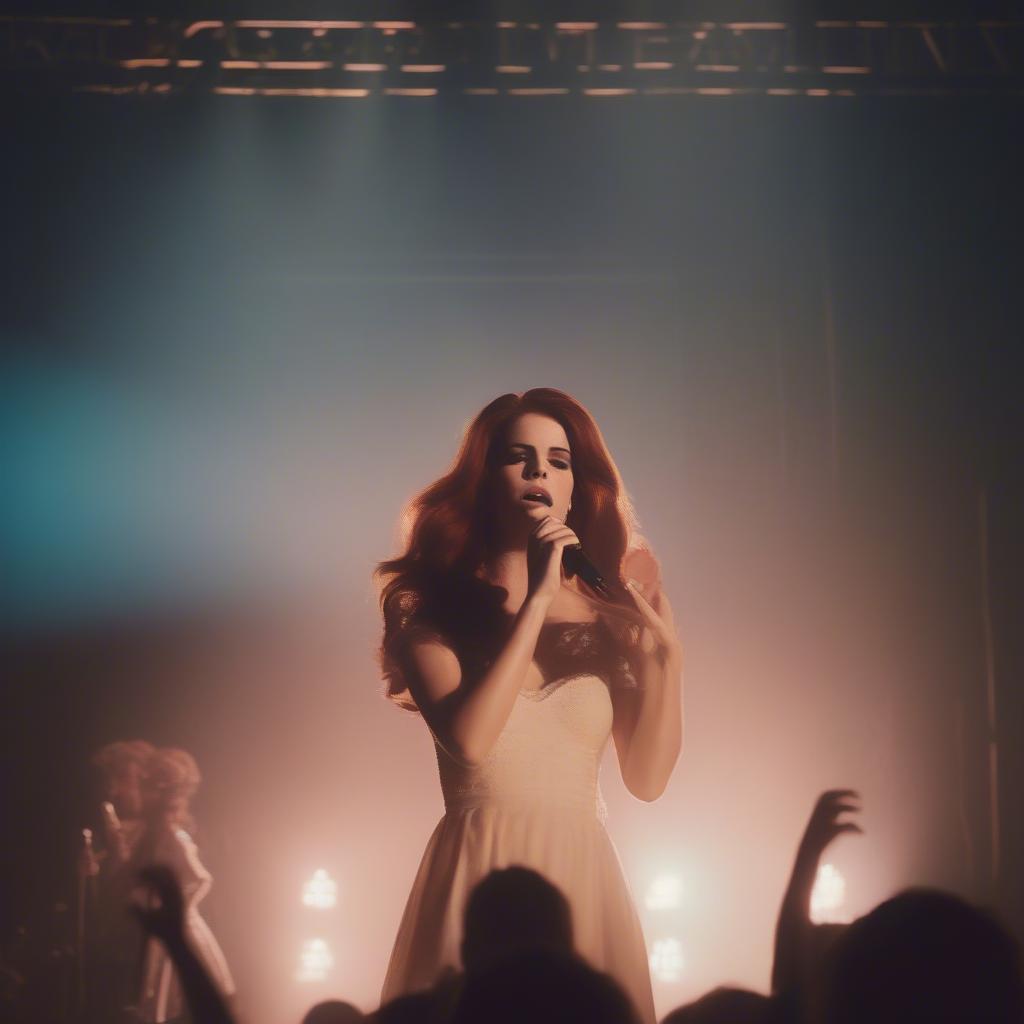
<point>416,634</point>
<point>432,668</point>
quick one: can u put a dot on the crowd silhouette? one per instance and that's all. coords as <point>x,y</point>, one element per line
<point>922,956</point>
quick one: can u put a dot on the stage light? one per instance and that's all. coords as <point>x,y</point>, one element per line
<point>201,26</point>
<point>664,893</point>
<point>315,961</point>
<point>828,896</point>
<point>666,959</point>
<point>321,891</point>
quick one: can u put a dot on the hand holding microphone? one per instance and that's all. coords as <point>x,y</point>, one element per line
<point>576,563</point>
<point>116,841</point>
<point>544,552</point>
<point>552,549</point>
<point>110,818</point>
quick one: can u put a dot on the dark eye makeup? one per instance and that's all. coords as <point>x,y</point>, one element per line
<point>517,456</point>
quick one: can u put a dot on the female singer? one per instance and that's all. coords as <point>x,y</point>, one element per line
<point>521,674</point>
<point>114,947</point>
<point>171,779</point>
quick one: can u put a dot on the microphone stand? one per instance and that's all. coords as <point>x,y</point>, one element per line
<point>87,871</point>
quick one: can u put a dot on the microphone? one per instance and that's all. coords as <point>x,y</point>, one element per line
<point>111,815</point>
<point>90,865</point>
<point>576,563</point>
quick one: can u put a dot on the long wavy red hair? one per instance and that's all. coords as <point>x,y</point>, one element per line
<point>433,585</point>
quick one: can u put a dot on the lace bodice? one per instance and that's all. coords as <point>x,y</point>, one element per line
<point>550,750</point>
<point>567,649</point>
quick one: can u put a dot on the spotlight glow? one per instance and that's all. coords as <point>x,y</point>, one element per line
<point>664,893</point>
<point>315,961</point>
<point>828,896</point>
<point>666,959</point>
<point>321,891</point>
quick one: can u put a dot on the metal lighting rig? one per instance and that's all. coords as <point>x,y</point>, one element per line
<point>354,49</point>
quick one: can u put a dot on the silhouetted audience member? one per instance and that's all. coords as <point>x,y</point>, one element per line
<point>432,1006</point>
<point>801,945</point>
<point>333,1011</point>
<point>542,986</point>
<point>162,916</point>
<point>729,1006</point>
<point>925,956</point>
<point>513,910</point>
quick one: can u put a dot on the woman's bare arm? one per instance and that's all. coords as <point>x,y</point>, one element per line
<point>468,717</point>
<point>164,919</point>
<point>648,731</point>
<point>648,723</point>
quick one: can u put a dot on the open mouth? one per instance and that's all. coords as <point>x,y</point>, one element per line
<point>540,497</point>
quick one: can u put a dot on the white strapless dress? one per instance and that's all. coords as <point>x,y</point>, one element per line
<point>534,801</point>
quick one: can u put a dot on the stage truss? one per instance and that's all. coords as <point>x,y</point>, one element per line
<point>354,55</point>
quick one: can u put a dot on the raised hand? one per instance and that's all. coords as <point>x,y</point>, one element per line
<point>824,825</point>
<point>640,566</point>
<point>161,910</point>
<point>659,639</point>
<point>163,916</point>
<point>117,843</point>
<point>794,930</point>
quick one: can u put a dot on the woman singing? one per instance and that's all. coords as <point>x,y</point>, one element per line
<point>172,777</point>
<point>522,674</point>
